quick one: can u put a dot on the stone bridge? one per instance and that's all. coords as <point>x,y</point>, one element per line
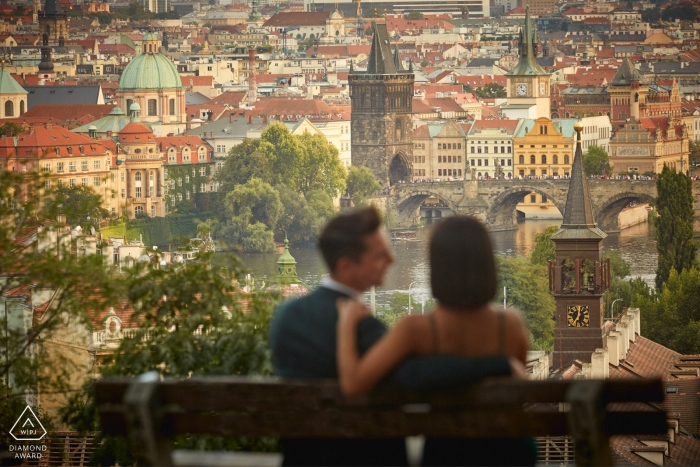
<point>494,201</point>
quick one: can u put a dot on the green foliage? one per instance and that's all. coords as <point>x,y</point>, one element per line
<point>672,317</point>
<point>596,161</point>
<point>373,13</point>
<point>77,204</point>
<point>651,15</point>
<point>490,91</point>
<point>694,156</point>
<point>14,128</point>
<point>245,161</point>
<point>37,253</point>
<point>528,291</point>
<point>413,15</point>
<point>686,12</point>
<point>163,231</point>
<point>193,321</point>
<point>674,225</point>
<point>398,308</point>
<point>321,168</point>
<point>618,266</point>
<point>361,184</point>
<point>544,247</point>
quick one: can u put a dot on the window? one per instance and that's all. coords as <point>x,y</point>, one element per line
<point>71,167</point>
<point>555,159</point>
<point>137,177</point>
<point>532,159</point>
<point>150,191</point>
<point>202,171</point>
<point>202,187</point>
<point>544,198</point>
<point>138,210</point>
<point>71,182</point>
<point>472,162</point>
<point>544,172</point>
<point>472,149</point>
<point>533,198</point>
<point>96,181</point>
<point>179,196</point>
<point>521,159</point>
<point>179,181</point>
<point>202,156</point>
<point>122,176</point>
<point>47,184</point>
<point>479,162</point>
<point>21,107</point>
<point>9,109</point>
<point>187,179</point>
<point>171,105</point>
<point>544,159</point>
<point>96,164</point>
<point>566,159</point>
<point>84,165</point>
<point>59,167</point>
<point>47,167</point>
<point>123,193</point>
<point>486,162</point>
<point>138,191</point>
<point>152,107</point>
<point>85,181</point>
<point>510,162</point>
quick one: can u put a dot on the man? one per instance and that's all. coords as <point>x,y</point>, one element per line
<point>303,339</point>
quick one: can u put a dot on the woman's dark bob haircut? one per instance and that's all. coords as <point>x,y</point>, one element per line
<point>462,265</point>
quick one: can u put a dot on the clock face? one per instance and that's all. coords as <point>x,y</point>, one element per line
<point>578,316</point>
<point>521,89</point>
<point>542,89</point>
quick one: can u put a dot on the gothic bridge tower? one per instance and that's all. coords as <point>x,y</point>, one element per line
<point>579,275</point>
<point>381,98</point>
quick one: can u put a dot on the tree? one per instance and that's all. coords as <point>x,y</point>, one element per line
<point>528,291</point>
<point>651,15</point>
<point>361,184</point>
<point>544,246</point>
<point>14,128</point>
<point>79,204</point>
<point>321,168</point>
<point>596,161</point>
<point>674,225</point>
<point>685,12</point>
<point>694,156</point>
<point>413,15</point>
<point>299,220</point>
<point>374,13</point>
<point>37,260</point>
<point>490,91</point>
<point>193,321</point>
<point>243,162</point>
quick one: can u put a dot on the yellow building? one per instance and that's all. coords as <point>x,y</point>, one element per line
<point>544,148</point>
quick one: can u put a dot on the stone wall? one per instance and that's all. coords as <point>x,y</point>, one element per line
<point>633,216</point>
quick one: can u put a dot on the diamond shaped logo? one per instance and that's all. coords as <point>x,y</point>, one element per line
<point>28,427</point>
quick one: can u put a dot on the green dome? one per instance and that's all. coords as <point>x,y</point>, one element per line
<point>150,36</point>
<point>150,71</point>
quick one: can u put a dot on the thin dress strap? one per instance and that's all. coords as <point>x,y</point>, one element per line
<point>501,332</point>
<point>433,326</point>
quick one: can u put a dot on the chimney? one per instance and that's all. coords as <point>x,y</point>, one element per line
<point>230,117</point>
<point>629,320</point>
<point>250,118</point>
<point>623,329</point>
<point>48,126</point>
<point>264,118</point>
<point>599,364</point>
<point>637,319</point>
<point>252,85</point>
<point>614,348</point>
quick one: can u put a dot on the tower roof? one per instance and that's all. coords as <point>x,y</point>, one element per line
<point>53,8</point>
<point>528,55</point>
<point>8,85</point>
<point>626,74</point>
<point>380,61</point>
<point>579,222</point>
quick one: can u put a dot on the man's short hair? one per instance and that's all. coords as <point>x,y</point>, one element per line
<point>345,235</point>
<point>462,265</point>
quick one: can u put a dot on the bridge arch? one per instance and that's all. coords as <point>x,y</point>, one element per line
<point>409,204</point>
<point>610,208</point>
<point>501,214</point>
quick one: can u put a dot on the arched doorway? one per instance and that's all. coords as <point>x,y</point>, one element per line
<point>398,170</point>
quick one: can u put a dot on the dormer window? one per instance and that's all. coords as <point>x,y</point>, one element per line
<point>81,148</point>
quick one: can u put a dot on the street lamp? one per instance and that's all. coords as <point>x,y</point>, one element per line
<point>409,296</point>
<point>612,307</point>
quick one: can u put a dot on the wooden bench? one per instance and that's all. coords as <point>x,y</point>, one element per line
<point>151,412</point>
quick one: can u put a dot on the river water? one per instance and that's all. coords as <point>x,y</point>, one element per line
<point>636,245</point>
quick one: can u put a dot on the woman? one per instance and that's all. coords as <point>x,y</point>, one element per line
<point>463,280</point>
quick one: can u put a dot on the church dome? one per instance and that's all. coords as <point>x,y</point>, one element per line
<point>150,71</point>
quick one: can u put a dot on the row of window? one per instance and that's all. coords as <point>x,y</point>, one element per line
<point>543,146</point>
<point>185,157</point>
<point>533,159</point>
<point>449,159</point>
<point>152,106</point>
<point>477,150</point>
<point>449,145</point>
<point>543,173</point>
<point>477,162</point>
<point>72,166</point>
<point>85,181</point>
<point>449,172</point>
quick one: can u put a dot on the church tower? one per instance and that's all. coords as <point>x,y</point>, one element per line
<point>528,83</point>
<point>578,276</point>
<point>55,18</point>
<point>628,94</point>
<point>381,99</point>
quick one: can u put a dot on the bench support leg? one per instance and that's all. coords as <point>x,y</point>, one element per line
<point>143,424</point>
<point>586,420</point>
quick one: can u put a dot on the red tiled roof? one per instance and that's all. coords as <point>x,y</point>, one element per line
<point>197,81</point>
<point>508,125</point>
<point>119,49</point>
<point>306,18</point>
<point>70,112</point>
<point>230,98</point>
<point>421,132</point>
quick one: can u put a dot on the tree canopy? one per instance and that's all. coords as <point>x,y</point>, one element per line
<point>596,161</point>
<point>361,184</point>
<point>674,225</point>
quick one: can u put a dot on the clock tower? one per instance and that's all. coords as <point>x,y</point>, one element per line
<point>578,276</point>
<point>528,83</point>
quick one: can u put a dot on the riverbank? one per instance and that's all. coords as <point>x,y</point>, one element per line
<point>633,215</point>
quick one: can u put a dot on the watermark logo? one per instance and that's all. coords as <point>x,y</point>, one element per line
<point>28,427</point>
